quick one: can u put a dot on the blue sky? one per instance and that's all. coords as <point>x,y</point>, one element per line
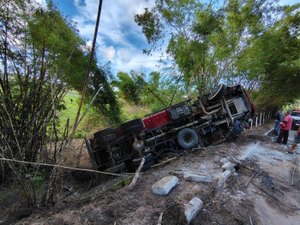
<point>119,40</point>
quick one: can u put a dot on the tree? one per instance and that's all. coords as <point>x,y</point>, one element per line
<point>30,90</point>
<point>274,57</point>
<point>205,39</point>
<point>130,86</point>
<point>106,102</point>
<point>42,57</point>
<point>65,49</point>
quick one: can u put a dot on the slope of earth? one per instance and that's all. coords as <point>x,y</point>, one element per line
<point>264,190</point>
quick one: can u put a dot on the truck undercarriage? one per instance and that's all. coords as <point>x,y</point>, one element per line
<point>217,116</point>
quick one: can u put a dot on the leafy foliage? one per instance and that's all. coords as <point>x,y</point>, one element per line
<point>42,57</point>
<point>243,41</point>
<point>130,86</point>
<point>106,102</point>
<point>274,57</point>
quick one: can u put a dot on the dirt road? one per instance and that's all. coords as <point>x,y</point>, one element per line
<point>260,192</point>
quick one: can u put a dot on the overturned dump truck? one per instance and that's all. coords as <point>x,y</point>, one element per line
<point>214,117</point>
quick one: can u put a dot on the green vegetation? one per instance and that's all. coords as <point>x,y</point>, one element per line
<point>43,74</point>
<point>251,42</point>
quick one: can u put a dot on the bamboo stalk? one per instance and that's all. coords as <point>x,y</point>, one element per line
<point>60,166</point>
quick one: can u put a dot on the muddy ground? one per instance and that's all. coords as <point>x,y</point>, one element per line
<point>265,190</point>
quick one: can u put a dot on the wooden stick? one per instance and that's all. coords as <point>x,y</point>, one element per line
<point>250,179</point>
<point>137,174</point>
<point>59,166</point>
<point>293,173</point>
<point>164,162</point>
<point>160,218</point>
<point>250,220</point>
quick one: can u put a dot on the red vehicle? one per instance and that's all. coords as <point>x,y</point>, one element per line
<point>221,115</point>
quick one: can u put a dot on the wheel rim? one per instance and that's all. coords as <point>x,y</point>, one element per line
<point>188,138</point>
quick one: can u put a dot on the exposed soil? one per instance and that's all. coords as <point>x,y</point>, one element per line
<point>240,201</point>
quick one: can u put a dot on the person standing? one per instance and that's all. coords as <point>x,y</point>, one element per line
<point>278,118</point>
<point>295,142</point>
<point>285,127</point>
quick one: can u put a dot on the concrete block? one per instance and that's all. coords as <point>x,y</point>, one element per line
<point>197,178</point>
<point>229,166</point>
<point>164,185</point>
<point>193,208</point>
<point>222,179</point>
<point>223,160</point>
<point>226,174</point>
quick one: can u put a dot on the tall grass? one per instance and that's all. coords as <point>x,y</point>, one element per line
<point>93,120</point>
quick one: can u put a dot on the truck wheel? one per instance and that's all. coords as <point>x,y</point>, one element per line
<point>106,135</point>
<point>187,138</point>
<point>104,132</point>
<point>217,93</point>
<point>132,127</point>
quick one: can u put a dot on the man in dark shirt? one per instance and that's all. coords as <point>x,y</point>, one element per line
<point>278,118</point>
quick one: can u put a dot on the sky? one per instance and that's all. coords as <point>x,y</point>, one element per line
<point>120,40</point>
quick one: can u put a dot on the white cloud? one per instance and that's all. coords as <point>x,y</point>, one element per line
<point>116,24</point>
<point>116,29</point>
<point>128,59</point>
<point>39,3</point>
<point>109,53</point>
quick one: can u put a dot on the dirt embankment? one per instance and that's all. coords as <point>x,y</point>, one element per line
<point>260,192</point>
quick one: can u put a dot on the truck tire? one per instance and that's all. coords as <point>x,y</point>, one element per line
<point>132,127</point>
<point>187,138</point>
<point>106,135</point>
<point>219,92</point>
<point>104,132</point>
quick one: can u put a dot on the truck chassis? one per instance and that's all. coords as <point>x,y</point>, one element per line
<point>217,116</point>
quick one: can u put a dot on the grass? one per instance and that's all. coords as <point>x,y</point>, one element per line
<point>93,120</point>
<point>131,111</point>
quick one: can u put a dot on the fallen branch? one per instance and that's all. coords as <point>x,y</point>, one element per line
<point>160,218</point>
<point>250,220</point>
<point>253,175</point>
<point>164,162</point>
<point>60,166</point>
<point>137,174</point>
<point>293,174</point>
